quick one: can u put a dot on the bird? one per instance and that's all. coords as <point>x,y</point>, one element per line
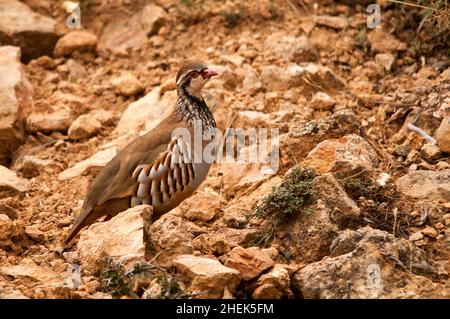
<point>156,168</point>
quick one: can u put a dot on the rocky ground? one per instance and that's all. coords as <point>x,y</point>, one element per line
<point>360,207</point>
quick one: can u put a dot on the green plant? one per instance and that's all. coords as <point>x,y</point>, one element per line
<point>434,13</point>
<point>291,197</point>
<point>232,19</point>
<point>119,282</point>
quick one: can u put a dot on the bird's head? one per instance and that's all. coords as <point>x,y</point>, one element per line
<point>192,76</point>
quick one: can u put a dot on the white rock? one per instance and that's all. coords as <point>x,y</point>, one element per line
<point>84,126</point>
<point>98,160</point>
<point>16,101</point>
<point>386,60</point>
<point>33,32</point>
<point>322,101</point>
<point>443,135</point>
<point>127,84</point>
<point>57,118</point>
<point>144,112</point>
<point>208,277</point>
<point>120,238</point>
<point>9,180</point>
<point>33,272</point>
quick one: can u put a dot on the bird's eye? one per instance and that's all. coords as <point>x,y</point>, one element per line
<point>194,74</point>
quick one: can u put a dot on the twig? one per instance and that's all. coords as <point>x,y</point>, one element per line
<point>421,132</point>
<point>395,221</point>
<point>425,214</point>
<point>412,4</point>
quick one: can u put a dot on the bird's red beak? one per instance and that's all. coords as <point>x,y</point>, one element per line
<point>208,73</point>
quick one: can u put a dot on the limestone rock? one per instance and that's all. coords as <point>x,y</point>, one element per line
<point>386,60</point>
<point>83,127</point>
<point>120,238</point>
<point>31,166</point>
<point>56,118</point>
<point>300,75</point>
<point>370,263</point>
<point>11,233</point>
<point>75,41</point>
<point>33,272</point>
<point>383,42</point>
<point>278,278</point>
<point>250,262</point>
<point>151,108</point>
<point>303,137</point>
<point>207,277</point>
<point>202,206</point>
<point>322,101</point>
<point>443,135</point>
<point>422,184</point>
<point>169,236</point>
<point>98,160</point>
<point>34,233</point>
<point>132,32</point>
<point>9,180</point>
<point>289,48</point>
<point>430,151</point>
<point>16,101</point>
<point>346,156</point>
<point>127,84</point>
<point>333,22</point>
<point>34,33</point>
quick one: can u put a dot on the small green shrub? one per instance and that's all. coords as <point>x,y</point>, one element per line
<point>291,197</point>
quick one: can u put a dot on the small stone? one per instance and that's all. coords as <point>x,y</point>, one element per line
<point>439,226</point>
<point>430,151</point>
<point>333,22</point>
<point>443,135</point>
<point>386,60</point>
<point>9,180</point>
<point>75,41</point>
<point>348,155</point>
<point>83,127</point>
<point>34,233</point>
<point>429,232</point>
<point>322,101</point>
<point>55,119</point>
<point>208,278</point>
<point>65,222</point>
<point>250,262</point>
<point>383,42</point>
<point>266,291</point>
<point>416,236</point>
<point>153,18</point>
<point>127,84</point>
<point>402,150</point>
<point>76,70</point>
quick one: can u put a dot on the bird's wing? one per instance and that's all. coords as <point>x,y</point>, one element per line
<point>114,185</point>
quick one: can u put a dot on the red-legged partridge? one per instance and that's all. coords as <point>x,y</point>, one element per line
<point>156,168</point>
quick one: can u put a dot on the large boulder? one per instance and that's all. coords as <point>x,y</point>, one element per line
<point>346,156</point>
<point>34,33</point>
<point>121,238</point>
<point>127,33</point>
<point>430,185</point>
<point>370,263</point>
<point>16,101</point>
